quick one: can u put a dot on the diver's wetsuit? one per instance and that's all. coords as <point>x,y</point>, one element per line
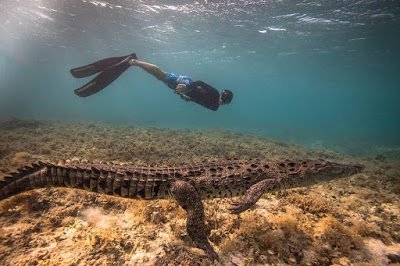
<point>198,91</point>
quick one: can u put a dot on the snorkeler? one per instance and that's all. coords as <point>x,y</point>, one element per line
<point>111,68</point>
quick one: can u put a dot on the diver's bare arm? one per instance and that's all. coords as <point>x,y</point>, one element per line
<point>150,68</point>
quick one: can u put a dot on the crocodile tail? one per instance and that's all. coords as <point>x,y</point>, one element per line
<point>90,177</point>
<point>44,174</point>
<point>23,179</point>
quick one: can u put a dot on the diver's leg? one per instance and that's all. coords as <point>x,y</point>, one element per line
<point>150,68</point>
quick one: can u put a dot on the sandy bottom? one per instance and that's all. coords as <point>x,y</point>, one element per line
<point>352,221</point>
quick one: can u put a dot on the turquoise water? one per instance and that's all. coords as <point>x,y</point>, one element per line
<point>316,73</point>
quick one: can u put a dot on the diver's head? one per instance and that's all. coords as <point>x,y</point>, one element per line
<point>226,97</point>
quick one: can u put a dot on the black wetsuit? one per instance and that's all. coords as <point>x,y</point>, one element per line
<point>203,94</point>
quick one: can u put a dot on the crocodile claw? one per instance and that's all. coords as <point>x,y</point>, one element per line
<point>239,206</point>
<point>209,250</point>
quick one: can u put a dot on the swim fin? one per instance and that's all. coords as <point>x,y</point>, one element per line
<point>93,68</point>
<point>104,79</point>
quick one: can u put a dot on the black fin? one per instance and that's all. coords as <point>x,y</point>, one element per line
<point>93,68</point>
<point>104,79</point>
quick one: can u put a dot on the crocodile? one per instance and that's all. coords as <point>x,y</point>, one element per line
<point>187,184</point>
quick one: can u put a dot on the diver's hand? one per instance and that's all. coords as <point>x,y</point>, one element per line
<point>185,97</point>
<point>180,88</point>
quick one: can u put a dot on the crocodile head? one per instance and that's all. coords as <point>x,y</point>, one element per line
<point>305,173</point>
<point>321,170</point>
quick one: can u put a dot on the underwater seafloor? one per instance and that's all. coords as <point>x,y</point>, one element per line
<point>351,221</point>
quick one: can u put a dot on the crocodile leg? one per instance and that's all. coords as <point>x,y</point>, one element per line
<point>190,200</point>
<point>252,195</point>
